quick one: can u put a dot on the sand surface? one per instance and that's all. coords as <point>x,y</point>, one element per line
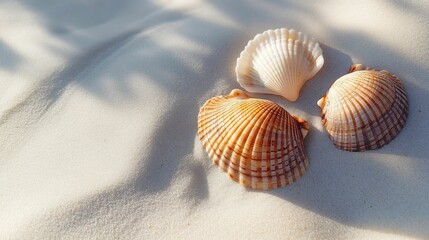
<point>98,118</point>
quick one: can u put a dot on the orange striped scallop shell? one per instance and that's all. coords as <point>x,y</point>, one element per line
<point>255,141</point>
<point>364,109</point>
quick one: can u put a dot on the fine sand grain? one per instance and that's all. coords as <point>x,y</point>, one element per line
<point>98,121</point>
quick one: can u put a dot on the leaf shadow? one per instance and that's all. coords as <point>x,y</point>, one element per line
<point>356,189</point>
<point>9,59</point>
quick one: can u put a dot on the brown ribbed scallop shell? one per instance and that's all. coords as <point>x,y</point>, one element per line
<point>364,109</point>
<point>255,141</point>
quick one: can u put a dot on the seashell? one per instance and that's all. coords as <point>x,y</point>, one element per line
<point>279,62</point>
<point>364,109</point>
<point>255,141</point>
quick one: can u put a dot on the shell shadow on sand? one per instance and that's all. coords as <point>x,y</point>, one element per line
<point>371,190</point>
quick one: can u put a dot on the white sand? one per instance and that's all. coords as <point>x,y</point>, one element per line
<point>98,116</point>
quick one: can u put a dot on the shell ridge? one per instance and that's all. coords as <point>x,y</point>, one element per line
<point>384,88</point>
<point>257,142</point>
<point>373,120</point>
<point>263,165</point>
<point>266,66</point>
<point>400,113</point>
<point>374,109</point>
<point>285,66</point>
<point>207,117</point>
<point>278,71</point>
<point>385,107</point>
<point>237,143</point>
<point>281,166</point>
<point>292,157</point>
<point>242,146</point>
<point>296,73</point>
<point>229,166</point>
<point>246,161</point>
<point>256,162</point>
<point>274,51</point>
<point>367,130</point>
<point>254,67</point>
<point>258,66</point>
<point>236,124</point>
<point>357,122</point>
<point>281,62</point>
<point>241,129</point>
<point>350,120</point>
<point>299,153</point>
<point>284,63</point>
<point>382,107</point>
<point>213,118</point>
<point>276,169</point>
<point>290,149</point>
<point>258,126</point>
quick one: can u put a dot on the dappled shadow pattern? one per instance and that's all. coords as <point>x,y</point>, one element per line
<point>357,189</point>
<point>9,59</point>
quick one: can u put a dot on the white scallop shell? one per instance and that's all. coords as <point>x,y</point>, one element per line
<point>255,141</point>
<point>364,109</point>
<point>279,62</point>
